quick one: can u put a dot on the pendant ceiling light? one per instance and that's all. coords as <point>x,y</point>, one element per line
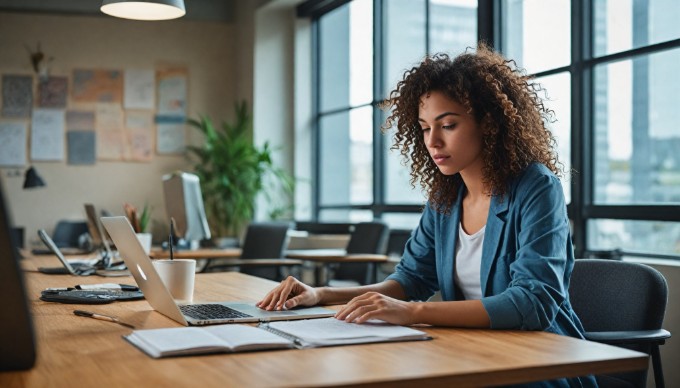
<point>144,10</point>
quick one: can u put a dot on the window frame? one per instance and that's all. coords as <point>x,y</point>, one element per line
<point>582,207</point>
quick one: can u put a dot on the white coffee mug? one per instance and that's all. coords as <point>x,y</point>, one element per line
<point>178,276</point>
<point>145,240</point>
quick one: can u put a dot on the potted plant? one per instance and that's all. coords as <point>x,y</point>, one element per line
<point>233,171</point>
<point>140,223</point>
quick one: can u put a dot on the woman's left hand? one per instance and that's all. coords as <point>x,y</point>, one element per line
<point>373,305</point>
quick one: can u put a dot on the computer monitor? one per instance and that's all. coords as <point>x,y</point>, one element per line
<point>184,203</point>
<point>17,340</point>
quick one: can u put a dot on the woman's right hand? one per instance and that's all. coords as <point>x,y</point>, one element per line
<point>290,293</point>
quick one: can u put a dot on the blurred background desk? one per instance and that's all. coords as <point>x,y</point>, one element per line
<point>322,257</point>
<point>202,256</point>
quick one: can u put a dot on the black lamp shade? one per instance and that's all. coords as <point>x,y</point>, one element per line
<point>32,179</point>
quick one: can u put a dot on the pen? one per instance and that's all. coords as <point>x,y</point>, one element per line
<point>172,232</point>
<point>82,313</point>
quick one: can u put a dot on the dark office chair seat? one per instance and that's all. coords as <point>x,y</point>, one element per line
<point>623,304</point>
<point>367,237</point>
<point>264,240</point>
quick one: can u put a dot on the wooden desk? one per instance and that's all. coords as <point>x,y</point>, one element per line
<point>197,254</point>
<point>321,257</point>
<point>77,351</point>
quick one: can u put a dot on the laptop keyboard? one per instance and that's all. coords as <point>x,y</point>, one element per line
<point>211,311</point>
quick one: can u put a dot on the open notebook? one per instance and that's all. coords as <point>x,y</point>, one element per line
<point>310,333</point>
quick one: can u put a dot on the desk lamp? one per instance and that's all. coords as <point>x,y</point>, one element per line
<point>32,179</point>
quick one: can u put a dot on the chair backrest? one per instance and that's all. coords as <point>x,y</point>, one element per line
<point>265,240</point>
<point>396,242</point>
<point>614,295</point>
<point>324,227</point>
<point>367,237</point>
<point>66,233</point>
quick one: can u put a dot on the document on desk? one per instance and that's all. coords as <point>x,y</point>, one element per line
<point>183,341</point>
<point>313,333</point>
<point>310,333</point>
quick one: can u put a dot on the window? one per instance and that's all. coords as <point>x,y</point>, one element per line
<point>626,177</point>
<point>611,77</point>
<point>358,176</point>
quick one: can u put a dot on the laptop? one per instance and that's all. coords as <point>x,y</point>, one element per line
<point>197,314</point>
<point>78,268</point>
<point>99,237</point>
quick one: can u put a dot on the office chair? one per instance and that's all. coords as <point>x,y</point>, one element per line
<point>265,240</point>
<point>67,233</point>
<point>396,241</point>
<point>623,304</point>
<point>367,237</point>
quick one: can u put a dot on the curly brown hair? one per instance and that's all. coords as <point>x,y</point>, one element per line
<point>505,104</point>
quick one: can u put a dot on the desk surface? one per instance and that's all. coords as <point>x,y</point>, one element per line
<point>87,352</point>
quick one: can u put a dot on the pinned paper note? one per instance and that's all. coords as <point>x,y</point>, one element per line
<point>12,144</point>
<point>170,135</point>
<point>52,92</point>
<point>172,92</point>
<point>81,147</point>
<point>97,86</point>
<point>17,95</point>
<point>47,135</point>
<point>139,92</point>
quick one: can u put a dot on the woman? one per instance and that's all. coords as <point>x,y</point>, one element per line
<point>494,236</point>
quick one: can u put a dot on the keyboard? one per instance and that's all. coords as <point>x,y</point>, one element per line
<point>211,311</point>
<point>89,296</point>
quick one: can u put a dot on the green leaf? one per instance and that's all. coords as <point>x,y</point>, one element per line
<point>232,171</point>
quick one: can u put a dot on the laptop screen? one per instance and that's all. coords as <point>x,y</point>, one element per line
<point>17,342</point>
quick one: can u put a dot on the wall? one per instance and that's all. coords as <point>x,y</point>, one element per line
<point>274,100</point>
<point>670,352</point>
<point>208,49</point>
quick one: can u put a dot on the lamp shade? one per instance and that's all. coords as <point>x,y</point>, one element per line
<point>144,10</point>
<point>32,179</point>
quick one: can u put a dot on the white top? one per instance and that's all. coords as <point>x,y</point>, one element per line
<point>469,262</point>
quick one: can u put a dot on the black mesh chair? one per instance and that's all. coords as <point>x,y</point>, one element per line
<point>264,240</point>
<point>67,233</point>
<point>367,237</point>
<point>623,304</point>
<point>396,242</point>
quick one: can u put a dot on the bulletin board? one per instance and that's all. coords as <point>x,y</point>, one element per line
<point>126,115</point>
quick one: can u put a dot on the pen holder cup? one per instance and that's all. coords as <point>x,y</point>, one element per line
<point>145,240</point>
<point>178,276</point>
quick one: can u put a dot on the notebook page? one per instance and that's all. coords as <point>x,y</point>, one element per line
<point>244,337</point>
<point>159,342</point>
<point>324,329</point>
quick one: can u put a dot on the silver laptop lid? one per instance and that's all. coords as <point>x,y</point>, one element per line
<point>142,268</point>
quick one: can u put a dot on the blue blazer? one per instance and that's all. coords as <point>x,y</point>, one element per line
<point>527,258</point>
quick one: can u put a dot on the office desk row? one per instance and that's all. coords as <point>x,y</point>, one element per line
<point>319,257</point>
<point>77,351</point>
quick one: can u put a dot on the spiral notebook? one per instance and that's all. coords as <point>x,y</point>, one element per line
<point>183,341</point>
